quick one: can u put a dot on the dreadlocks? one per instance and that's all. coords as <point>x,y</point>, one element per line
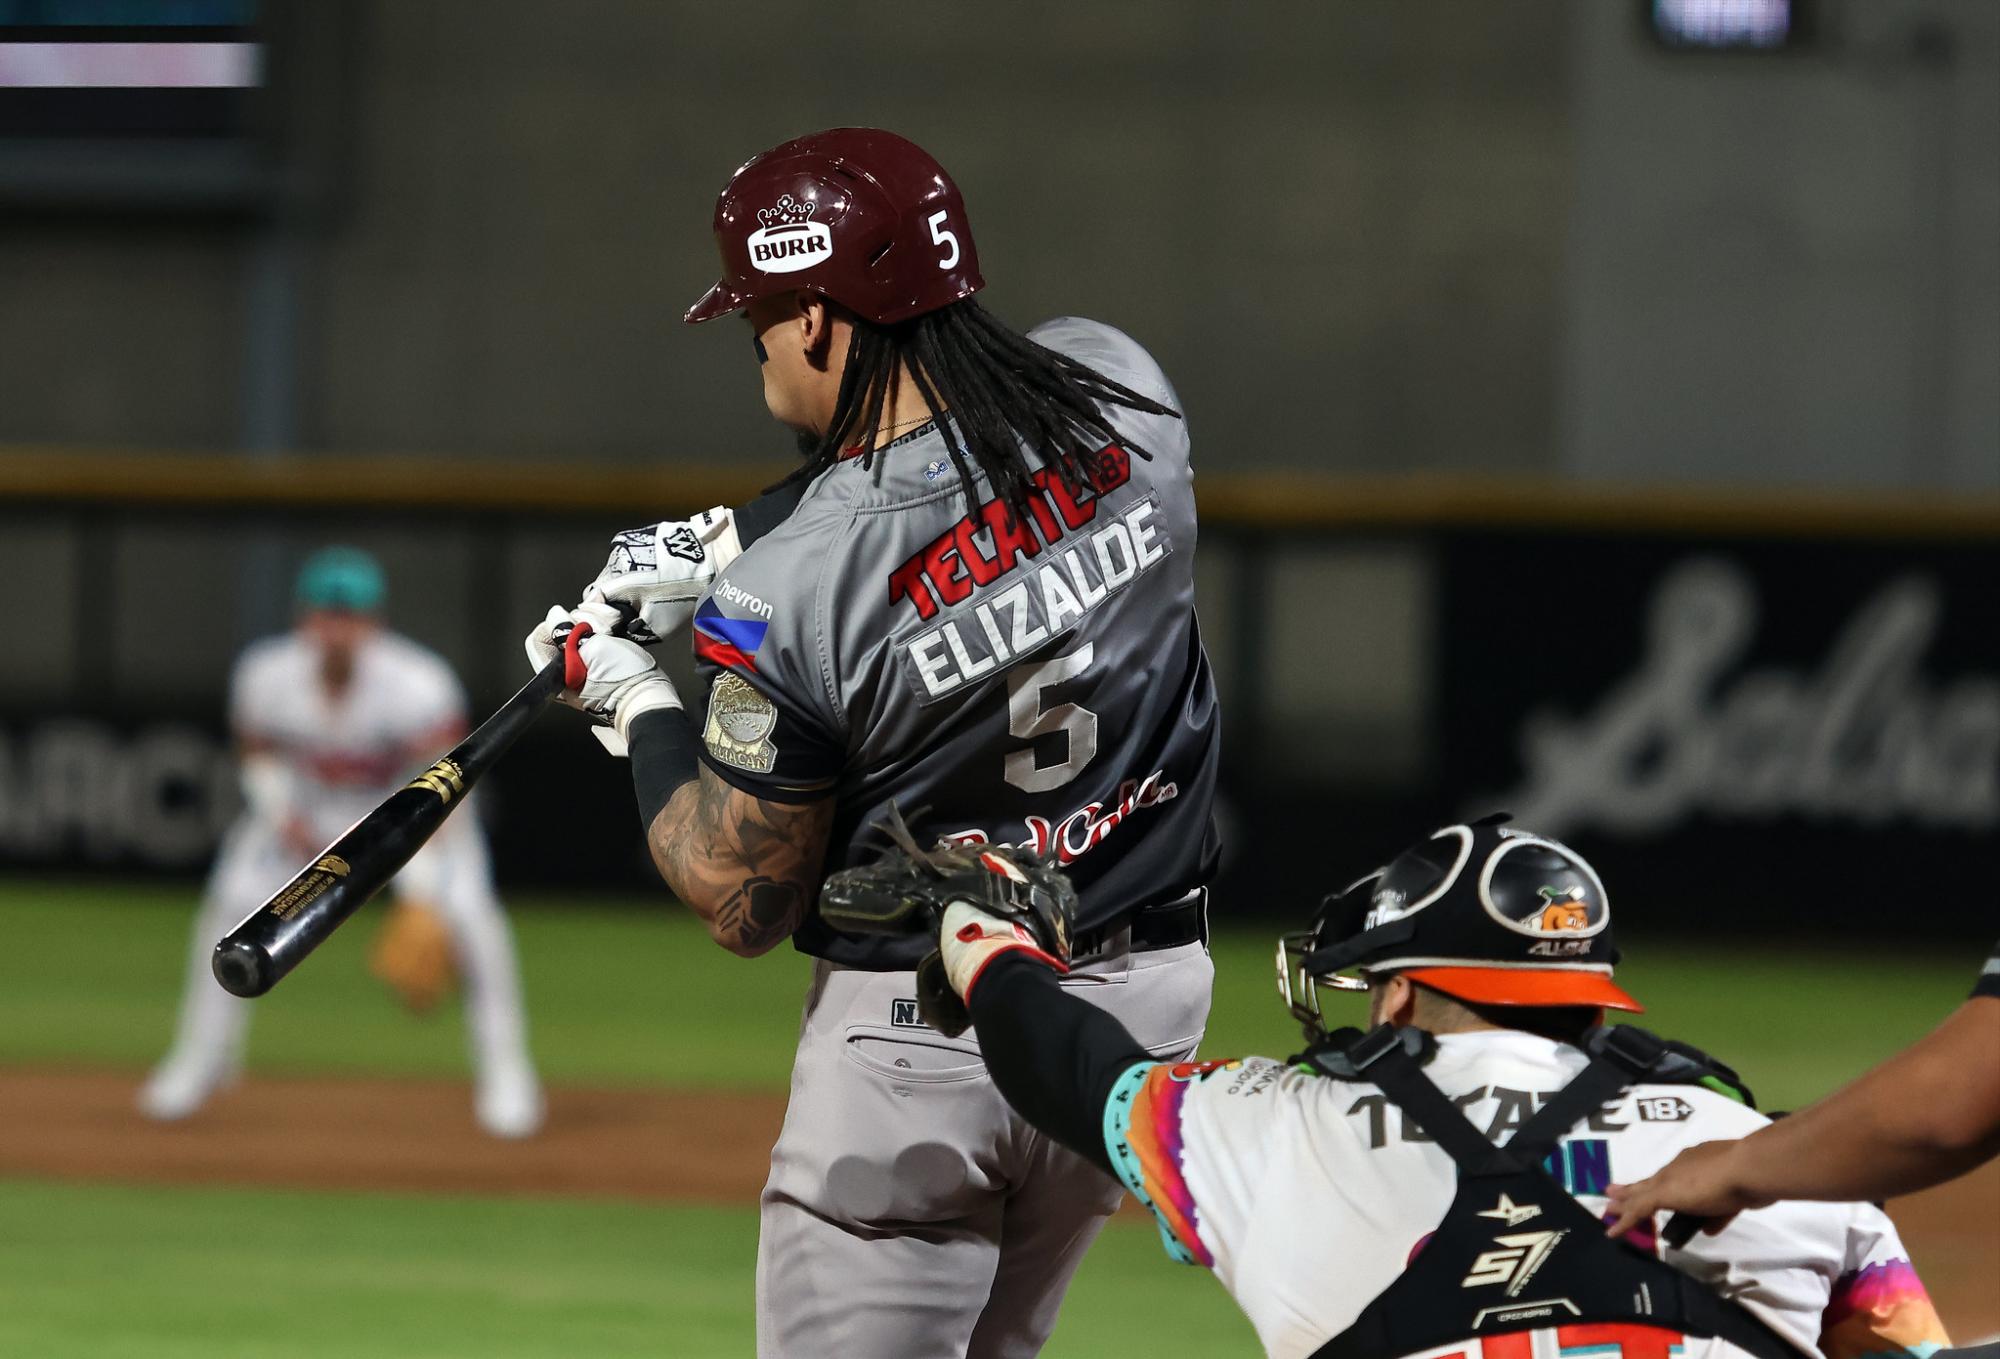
<point>1005,394</point>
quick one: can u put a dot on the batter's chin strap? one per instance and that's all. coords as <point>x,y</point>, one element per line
<point>1515,1251</point>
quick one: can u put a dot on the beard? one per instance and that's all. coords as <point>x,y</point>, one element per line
<point>808,443</point>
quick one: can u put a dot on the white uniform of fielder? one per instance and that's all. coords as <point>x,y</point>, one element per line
<point>315,762</point>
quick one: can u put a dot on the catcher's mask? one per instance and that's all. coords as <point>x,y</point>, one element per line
<point>1482,913</point>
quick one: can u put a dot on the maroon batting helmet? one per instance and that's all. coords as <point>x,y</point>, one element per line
<point>855,214</point>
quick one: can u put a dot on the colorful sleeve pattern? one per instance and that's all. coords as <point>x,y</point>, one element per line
<point>1881,1311</point>
<point>1142,1134</point>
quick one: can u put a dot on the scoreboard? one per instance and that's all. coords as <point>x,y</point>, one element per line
<point>174,105</point>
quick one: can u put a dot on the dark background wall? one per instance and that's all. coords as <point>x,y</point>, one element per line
<point>1787,270</point>
<point>1341,227</point>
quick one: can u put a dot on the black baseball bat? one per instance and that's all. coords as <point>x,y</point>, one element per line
<point>276,937</point>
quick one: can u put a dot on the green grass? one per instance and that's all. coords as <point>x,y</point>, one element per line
<point>117,1272</point>
<point>626,996</point>
<point>615,996</point>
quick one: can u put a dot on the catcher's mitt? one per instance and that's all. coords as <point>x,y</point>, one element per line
<point>908,889</point>
<point>412,955</point>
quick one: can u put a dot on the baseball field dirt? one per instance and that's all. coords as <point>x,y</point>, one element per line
<point>400,1135</point>
<point>668,1146</point>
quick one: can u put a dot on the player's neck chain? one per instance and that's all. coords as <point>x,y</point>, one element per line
<point>923,423</point>
<point>925,419</point>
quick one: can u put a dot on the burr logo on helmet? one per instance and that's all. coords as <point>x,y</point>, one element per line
<point>787,239</point>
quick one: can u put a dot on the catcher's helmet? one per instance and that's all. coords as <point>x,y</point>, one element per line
<point>855,214</point>
<point>1479,912</point>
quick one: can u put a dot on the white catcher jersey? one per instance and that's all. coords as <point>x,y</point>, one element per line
<point>345,753</point>
<point>1307,1196</point>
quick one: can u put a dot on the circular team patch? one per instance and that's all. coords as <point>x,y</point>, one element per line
<point>740,722</point>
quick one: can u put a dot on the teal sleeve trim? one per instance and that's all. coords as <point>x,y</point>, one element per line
<point>1117,1128</point>
<point>1118,1123</point>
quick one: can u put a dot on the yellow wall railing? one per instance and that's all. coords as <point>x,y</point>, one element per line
<point>1273,500</point>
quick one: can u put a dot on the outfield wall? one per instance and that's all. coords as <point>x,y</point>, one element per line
<point>1781,709</point>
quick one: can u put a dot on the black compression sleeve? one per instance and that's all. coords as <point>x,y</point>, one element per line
<point>1055,1057</point>
<point>662,748</point>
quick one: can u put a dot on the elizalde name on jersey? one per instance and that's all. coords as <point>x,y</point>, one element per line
<point>996,632</point>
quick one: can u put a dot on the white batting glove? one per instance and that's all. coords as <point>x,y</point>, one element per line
<point>656,574</point>
<point>969,939</point>
<point>542,645</point>
<point>589,690</point>
<point>613,680</point>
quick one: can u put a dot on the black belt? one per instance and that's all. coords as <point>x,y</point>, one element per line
<point>1153,927</point>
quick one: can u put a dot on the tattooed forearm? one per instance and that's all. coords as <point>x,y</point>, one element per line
<point>762,913</point>
<point>749,868</point>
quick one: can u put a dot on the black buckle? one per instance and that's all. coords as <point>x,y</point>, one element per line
<point>1382,1040</point>
<point>1631,1047</point>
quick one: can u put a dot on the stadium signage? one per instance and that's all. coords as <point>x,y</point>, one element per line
<point>1785,733</point>
<point>80,789</point>
<point>1868,735</point>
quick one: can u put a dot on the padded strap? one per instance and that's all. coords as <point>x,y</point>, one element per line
<point>1619,1056</point>
<point>1435,1301</point>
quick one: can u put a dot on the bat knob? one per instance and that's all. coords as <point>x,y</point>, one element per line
<point>242,969</point>
<point>1680,1228</point>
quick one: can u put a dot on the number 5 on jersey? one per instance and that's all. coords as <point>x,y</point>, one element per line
<point>1027,719</point>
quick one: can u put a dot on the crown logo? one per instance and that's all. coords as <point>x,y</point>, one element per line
<point>788,212</point>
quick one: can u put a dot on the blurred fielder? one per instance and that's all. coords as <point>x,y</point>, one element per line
<point>329,719</point>
<point>1436,1186</point>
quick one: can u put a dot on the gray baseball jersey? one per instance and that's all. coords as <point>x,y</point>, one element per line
<point>1038,682</point>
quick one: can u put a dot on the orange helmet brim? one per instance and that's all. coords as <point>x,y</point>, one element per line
<point>1526,986</point>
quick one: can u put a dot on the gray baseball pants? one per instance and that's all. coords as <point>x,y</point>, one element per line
<point>910,1213</point>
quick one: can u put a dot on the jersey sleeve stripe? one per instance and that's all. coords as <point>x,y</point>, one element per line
<point>1881,1310</point>
<point>1142,1134</point>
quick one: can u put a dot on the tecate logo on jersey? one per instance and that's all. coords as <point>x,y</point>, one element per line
<point>787,241</point>
<point>987,544</point>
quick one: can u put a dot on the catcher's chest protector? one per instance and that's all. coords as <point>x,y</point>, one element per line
<point>1515,1252</point>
